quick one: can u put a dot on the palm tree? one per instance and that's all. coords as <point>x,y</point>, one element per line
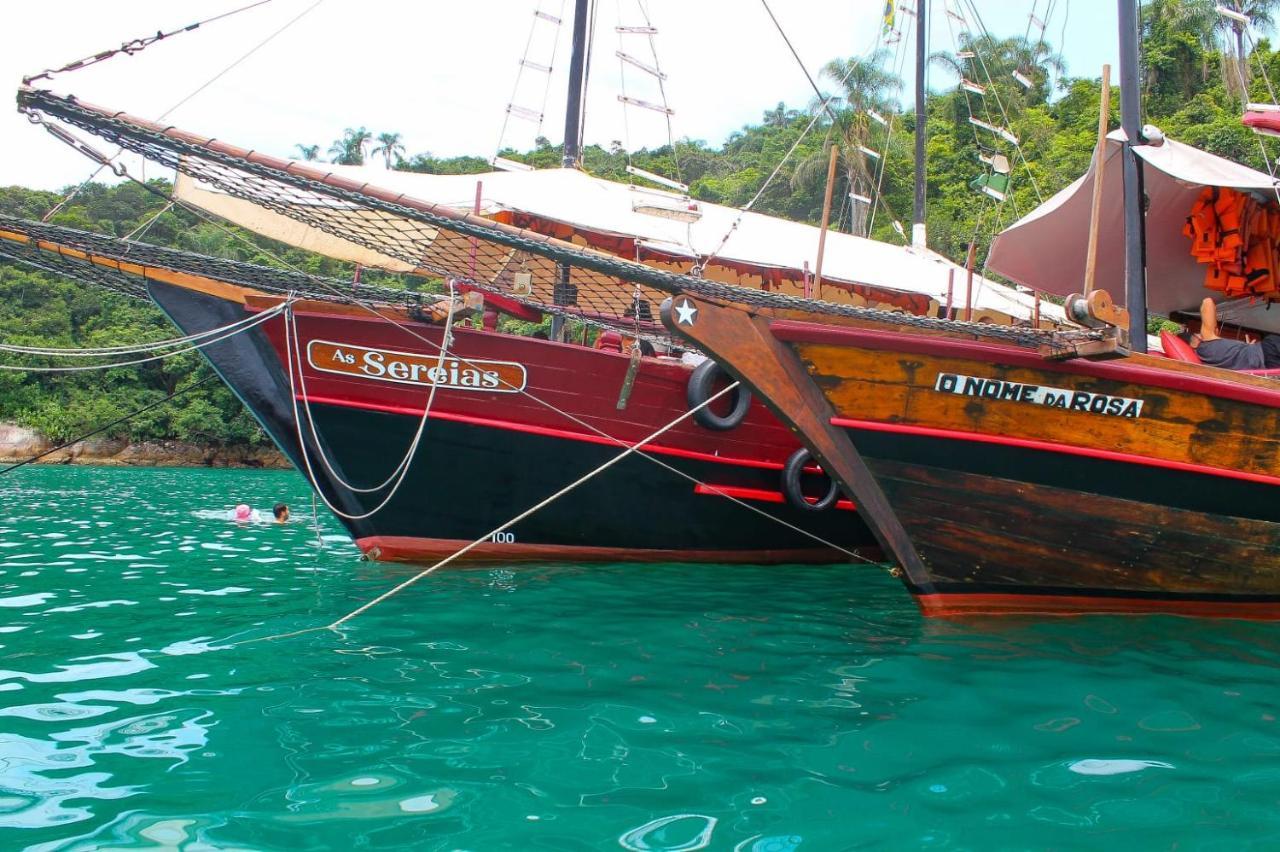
<point>864,85</point>
<point>776,117</point>
<point>389,146</point>
<point>309,153</point>
<point>994,62</point>
<point>350,149</point>
<point>1259,13</point>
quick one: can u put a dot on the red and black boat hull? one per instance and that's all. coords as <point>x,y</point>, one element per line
<point>487,456</point>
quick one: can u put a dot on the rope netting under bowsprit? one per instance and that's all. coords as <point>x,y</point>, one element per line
<point>122,265</point>
<point>66,267</point>
<point>529,268</point>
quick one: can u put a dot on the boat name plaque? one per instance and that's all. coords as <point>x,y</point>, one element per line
<point>1071,400</point>
<point>406,368</point>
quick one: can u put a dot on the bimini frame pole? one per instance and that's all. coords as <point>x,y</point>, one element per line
<point>1135,274</point>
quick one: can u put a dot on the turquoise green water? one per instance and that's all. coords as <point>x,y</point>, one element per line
<point>645,708</point>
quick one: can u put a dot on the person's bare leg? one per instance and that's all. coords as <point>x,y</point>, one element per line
<point>1208,320</point>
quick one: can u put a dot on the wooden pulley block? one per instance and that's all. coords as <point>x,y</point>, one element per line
<point>1095,310</point>
<point>1103,309</point>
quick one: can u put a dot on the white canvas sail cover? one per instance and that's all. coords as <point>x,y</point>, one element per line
<point>1046,249</point>
<point>574,198</point>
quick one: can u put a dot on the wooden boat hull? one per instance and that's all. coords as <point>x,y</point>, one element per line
<point>486,456</point>
<point>1022,485</point>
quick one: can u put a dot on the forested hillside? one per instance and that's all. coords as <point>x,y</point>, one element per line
<point>1197,74</point>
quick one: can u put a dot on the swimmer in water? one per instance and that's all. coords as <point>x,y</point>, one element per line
<point>242,514</point>
<point>281,511</point>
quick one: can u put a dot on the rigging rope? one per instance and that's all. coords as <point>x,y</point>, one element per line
<point>206,84</point>
<point>787,40</point>
<point>407,459</point>
<point>127,349</point>
<point>243,326</point>
<point>133,46</point>
<point>146,226</point>
<point>238,272</point>
<point>441,239</point>
<point>881,202</point>
<point>1017,146</point>
<point>526,62</point>
<point>586,477</point>
<point>293,355</point>
<point>1266,78</point>
<point>820,107</point>
<point>655,71</point>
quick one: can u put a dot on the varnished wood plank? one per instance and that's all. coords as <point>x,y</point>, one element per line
<point>971,528</point>
<point>1174,426</point>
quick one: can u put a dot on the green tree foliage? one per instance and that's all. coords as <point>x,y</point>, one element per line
<point>391,147</point>
<point>1187,92</point>
<point>350,149</point>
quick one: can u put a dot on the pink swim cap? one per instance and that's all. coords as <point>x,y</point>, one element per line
<point>243,512</point>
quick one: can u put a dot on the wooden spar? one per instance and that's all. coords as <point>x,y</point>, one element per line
<point>918,238</point>
<point>826,219</point>
<point>1035,316</point>
<point>577,82</point>
<point>1135,273</point>
<point>743,344</point>
<point>951,283</point>
<point>1099,170</point>
<point>968,292</point>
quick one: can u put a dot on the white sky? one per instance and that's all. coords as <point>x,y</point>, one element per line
<point>441,73</point>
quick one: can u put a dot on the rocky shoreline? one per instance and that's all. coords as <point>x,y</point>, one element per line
<point>18,443</point>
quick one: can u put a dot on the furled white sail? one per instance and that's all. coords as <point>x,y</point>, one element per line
<point>656,219</point>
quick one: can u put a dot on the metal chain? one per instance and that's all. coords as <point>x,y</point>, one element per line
<point>264,185</point>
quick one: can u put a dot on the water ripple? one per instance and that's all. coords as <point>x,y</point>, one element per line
<point>576,707</point>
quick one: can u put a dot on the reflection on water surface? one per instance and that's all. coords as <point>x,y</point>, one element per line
<point>570,707</point>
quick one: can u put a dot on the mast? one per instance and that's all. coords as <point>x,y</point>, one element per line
<point>1135,279</point>
<point>922,32</point>
<point>577,74</point>
<point>564,292</point>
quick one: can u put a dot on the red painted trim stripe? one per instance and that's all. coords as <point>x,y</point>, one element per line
<point>1052,447</point>
<point>968,605</point>
<point>756,494</point>
<point>398,548</point>
<point>996,354</point>
<point>545,431</point>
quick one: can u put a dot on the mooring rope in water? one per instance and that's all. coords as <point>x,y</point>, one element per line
<point>630,450</point>
<point>224,333</point>
<point>105,427</point>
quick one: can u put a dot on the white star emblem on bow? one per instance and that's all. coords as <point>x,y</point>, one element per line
<point>685,313</point>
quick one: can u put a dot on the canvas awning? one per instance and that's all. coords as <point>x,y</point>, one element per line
<point>1046,249</point>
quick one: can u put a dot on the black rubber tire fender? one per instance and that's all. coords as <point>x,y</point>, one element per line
<point>791,473</point>
<point>702,382</point>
